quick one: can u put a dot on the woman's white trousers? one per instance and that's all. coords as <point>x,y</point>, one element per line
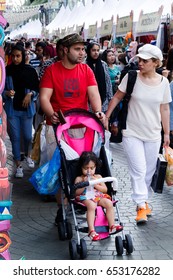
<point>142,158</point>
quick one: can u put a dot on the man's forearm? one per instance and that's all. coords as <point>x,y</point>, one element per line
<point>94,99</point>
<point>96,105</point>
<point>45,104</point>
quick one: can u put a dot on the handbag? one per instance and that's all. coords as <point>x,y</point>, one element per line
<point>35,153</point>
<point>159,174</point>
<point>169,169</point>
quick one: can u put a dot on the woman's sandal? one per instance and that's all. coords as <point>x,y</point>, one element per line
<point>115,229</point>
<point>94,235</point>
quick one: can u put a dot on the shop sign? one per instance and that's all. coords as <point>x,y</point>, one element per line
<point>106,27</point>
<point>149,23</point>
<point>124,24</point>
<point>92,31</point>
<point>70,29</point>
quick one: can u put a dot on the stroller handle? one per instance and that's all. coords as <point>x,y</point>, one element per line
<point>98,181</point>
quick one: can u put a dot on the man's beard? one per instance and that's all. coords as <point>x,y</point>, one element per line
<point>74,61</point>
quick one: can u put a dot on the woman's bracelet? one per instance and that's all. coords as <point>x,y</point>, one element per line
<point>98,113</point>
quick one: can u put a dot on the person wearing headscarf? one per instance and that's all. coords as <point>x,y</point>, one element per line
<point>101,73</point>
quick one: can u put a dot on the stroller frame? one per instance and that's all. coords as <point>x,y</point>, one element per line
<point>65,231</point>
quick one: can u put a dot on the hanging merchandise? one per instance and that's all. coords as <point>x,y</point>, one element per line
<point>3,124</point>
<point>5,240</point>
<point>5,186</point>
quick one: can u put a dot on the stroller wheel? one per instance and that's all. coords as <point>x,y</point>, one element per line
<point>69,230</point>
<point>119,245</point>
<point>82,249</point>
<point>73,249</point>
<point>128,244</point>
<point>61,230</point>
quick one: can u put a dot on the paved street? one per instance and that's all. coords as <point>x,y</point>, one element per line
<point>35,237</point>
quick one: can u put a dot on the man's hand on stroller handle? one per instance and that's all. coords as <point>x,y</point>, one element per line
<point>57,117</point>
<point>54,118</point>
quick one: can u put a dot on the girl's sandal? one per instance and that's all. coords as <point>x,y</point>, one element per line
<point>94,235</point>
<point>115,229</point>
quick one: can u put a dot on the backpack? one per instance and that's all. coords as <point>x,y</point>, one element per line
<point>122,114</point>
<point>132,66</point>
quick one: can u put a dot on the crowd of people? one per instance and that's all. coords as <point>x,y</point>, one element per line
<point>45,78</point>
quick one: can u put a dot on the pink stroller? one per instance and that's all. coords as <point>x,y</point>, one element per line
<point>84,132</point>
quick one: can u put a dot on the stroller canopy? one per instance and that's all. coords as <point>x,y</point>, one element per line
<point>80,130</point>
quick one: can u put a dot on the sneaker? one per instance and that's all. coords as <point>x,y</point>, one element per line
<point>141,215</point>
<point>148,210</point>
<point>30,162</point>
<point>19,172</point>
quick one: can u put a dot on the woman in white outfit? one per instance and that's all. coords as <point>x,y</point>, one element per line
<point>148,109</point>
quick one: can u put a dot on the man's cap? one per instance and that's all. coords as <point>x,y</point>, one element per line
<point>72,39</point>
<point>149,51</point>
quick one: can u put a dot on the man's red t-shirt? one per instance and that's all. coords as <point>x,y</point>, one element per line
<point>69,85</point>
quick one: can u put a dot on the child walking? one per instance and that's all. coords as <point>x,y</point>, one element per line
<point>88,162</point>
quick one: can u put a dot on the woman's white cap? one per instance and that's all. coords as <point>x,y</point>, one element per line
<point>149,51</point>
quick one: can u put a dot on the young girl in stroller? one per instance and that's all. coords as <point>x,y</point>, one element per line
<point>88,163</point>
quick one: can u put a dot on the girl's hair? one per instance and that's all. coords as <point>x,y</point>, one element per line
<point>86,157</point>
<point>19,47</point>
